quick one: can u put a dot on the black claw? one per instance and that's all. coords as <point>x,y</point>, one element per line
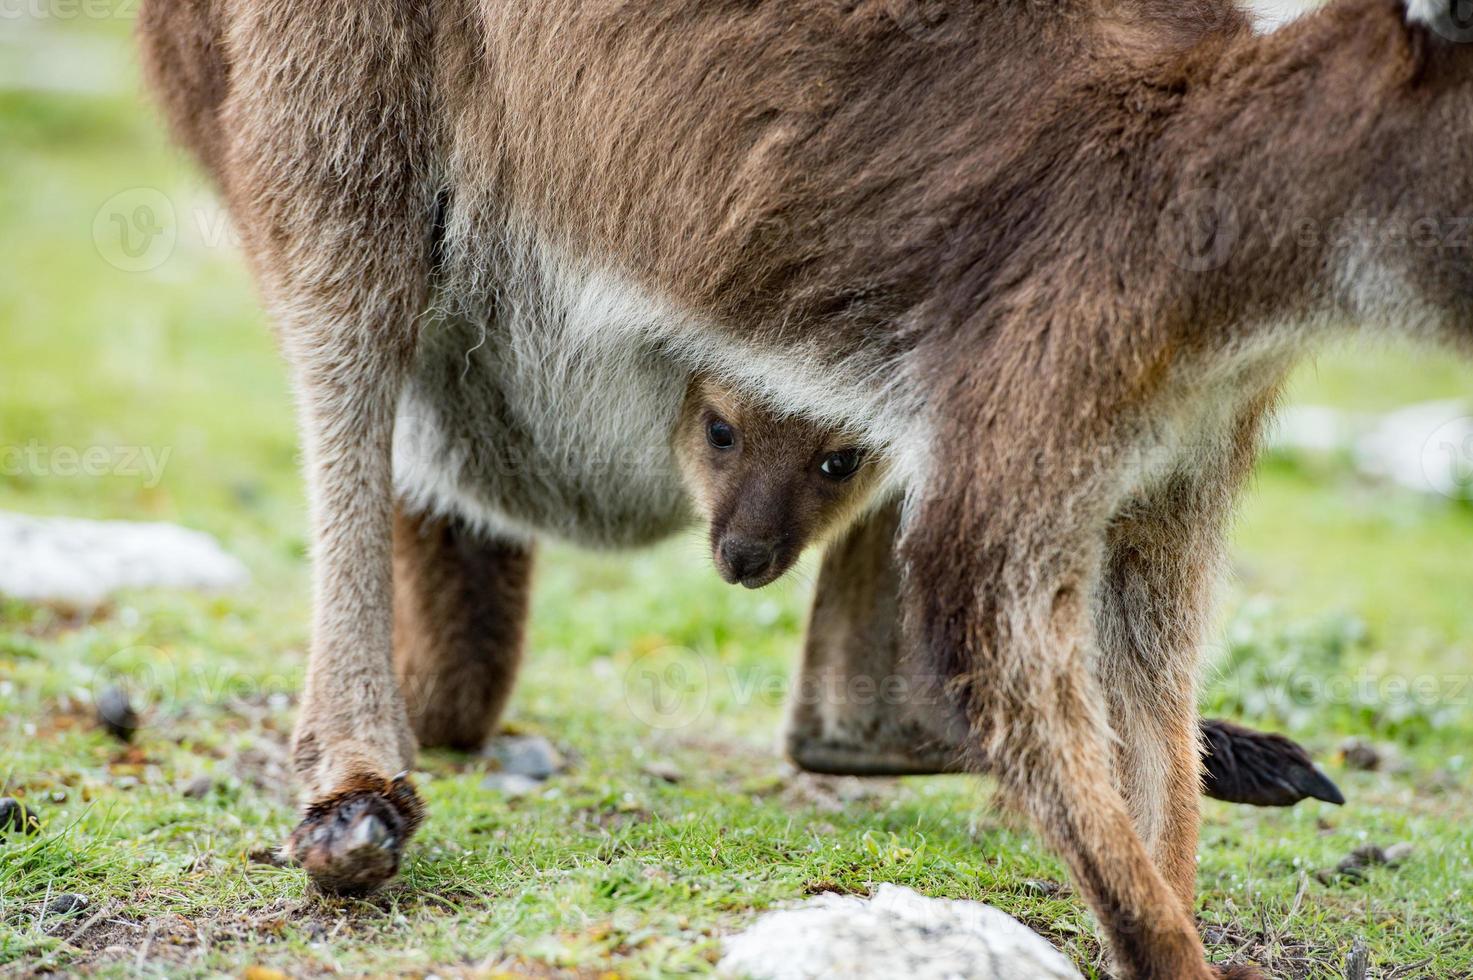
<point>1260,768</point>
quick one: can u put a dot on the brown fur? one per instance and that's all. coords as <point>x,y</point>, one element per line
<point>460,610</point>
<point>967,247</point>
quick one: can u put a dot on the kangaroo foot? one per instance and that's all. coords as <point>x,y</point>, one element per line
<point>350,842</point>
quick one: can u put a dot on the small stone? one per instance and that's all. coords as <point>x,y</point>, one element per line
<point>15,816</point>
<point>1366,756</point>
<point>81,563</point>
<point>199,787</point>
<point>1354,865</point>
<point>1398,853</point>
<point>1360,754</point>
<point>66,904</point>
<point>1365,856</point>
<point>116,715</point>
<point>524,755</point>
<point>1217,935</point>
<point>666,771</point>
<point>1042,887</point>
<point>510,784</point>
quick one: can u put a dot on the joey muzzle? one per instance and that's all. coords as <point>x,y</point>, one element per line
<point>752,562</point>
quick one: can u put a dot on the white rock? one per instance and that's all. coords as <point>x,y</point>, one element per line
<point>81,562</point>
<point>511,784</point>
<point>1308,428</point>
<point>524,755</point>
<point>1427,447</point>
<point>897,933</point>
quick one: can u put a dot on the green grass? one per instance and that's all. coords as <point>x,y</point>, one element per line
<point>1349,614</point>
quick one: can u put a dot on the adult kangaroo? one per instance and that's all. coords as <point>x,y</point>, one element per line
<point>1018,250</point>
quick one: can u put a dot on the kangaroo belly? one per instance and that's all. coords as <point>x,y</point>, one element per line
<point>528,414</point>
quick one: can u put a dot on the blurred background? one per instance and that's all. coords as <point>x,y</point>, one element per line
<point>138,381</point>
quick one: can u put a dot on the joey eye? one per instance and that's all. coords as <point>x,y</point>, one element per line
<point>720,435</point>
<point>840,465</point>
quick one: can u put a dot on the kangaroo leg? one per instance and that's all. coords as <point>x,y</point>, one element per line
<point>1003,554</point>
<point>328,174</point>
<point>460,611</point>
<point>1163,551</point>
<point>1153,601</point>
<point>863,704</point>
<point>353,734</point>
<point>1018,647</point>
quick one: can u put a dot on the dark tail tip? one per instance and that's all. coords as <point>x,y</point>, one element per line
<point>1260,769</point>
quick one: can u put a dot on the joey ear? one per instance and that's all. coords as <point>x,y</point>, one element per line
<point>1449,19</point>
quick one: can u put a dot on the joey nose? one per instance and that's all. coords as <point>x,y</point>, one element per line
<point>746,561</point>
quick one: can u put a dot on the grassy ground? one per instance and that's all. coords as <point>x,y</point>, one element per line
<point>1349,616</point>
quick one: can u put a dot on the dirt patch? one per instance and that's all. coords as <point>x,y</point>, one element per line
<point>110,934</point>
<point>1289,957</point>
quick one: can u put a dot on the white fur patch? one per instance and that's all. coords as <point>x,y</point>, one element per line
<point>1425,11</point>
<point>1197,425</point>
<point>1270,15</point>
<point>603,307</point>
